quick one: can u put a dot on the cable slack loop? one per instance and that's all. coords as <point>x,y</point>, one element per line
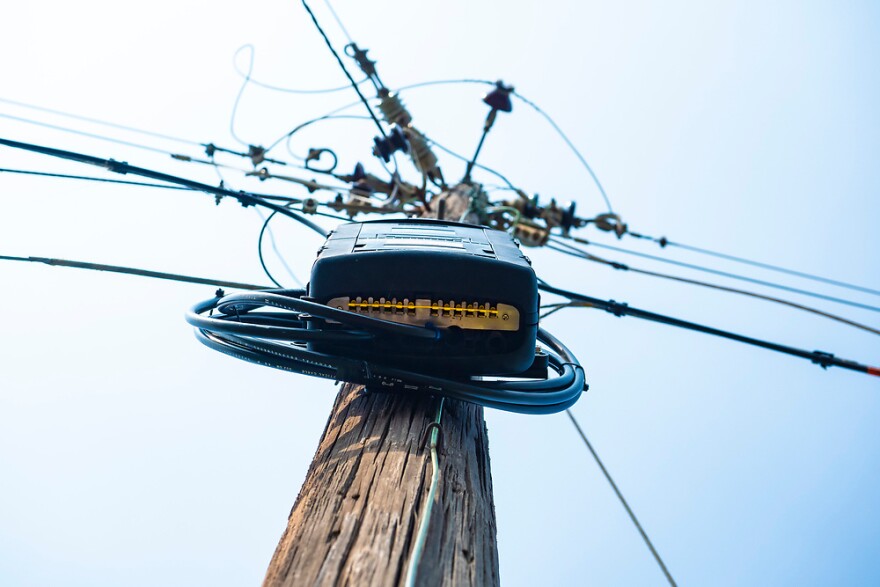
<point>275,328</point>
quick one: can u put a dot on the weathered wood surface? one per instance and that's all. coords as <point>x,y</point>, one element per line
<point>356,516</point>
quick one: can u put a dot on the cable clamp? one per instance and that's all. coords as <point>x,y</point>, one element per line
<point>618,309</point>
<point>120,167</point>
<point>823,359</point>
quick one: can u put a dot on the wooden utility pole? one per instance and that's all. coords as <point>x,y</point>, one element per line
<point>356,516</point>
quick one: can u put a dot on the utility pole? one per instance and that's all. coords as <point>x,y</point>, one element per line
<point>355,519</point>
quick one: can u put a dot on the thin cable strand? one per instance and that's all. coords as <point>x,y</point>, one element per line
<point>97,179</point>
<point>422,533</point>
<point>87,134</point>
<point>664,242</point>
<point>133,271</point>
<point>621,266</point>
<point>275,88</point>
<point>727,274</point>
<point>632,515</point>
<point>102,122</point>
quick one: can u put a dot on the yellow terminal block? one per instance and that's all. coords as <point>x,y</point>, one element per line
<point>465,315</point>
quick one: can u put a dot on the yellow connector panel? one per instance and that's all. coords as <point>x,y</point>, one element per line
<point>463,314</point>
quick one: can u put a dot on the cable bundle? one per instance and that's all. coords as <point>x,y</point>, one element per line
<point>273,328</point>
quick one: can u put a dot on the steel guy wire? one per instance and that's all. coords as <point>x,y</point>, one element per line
<point>632,515</point>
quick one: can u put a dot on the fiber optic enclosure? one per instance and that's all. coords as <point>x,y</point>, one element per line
<point>472,283</point>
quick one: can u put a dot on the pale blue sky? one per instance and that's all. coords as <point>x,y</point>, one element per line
<point>132,455</point>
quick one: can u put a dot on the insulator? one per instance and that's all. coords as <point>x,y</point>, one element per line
<point>423,157</point>
<point>393,110</point>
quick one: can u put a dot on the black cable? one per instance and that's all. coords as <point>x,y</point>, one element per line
<point>103,122</point>
<point>245,198</point>
<point>664,242</point>
<point>276,338</point>
<point>728,275</point>
<point>287,199</point>
<point>132,271</point>
<point>344,69</point>
<point>260,251</point>
<point>821,358</point>
<point>575,252</point>
<point>620,497</point>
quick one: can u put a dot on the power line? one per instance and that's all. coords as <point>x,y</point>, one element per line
<point>620,309</point>
<point>344,69</point>
<point>102,122</point>
<point>133,271</point>
<point>575,252</point>
<point>620,497</point>
<point>270,197</point>
<point>98,179</point>
<point>664,242</point>
<point>338,21</point>
<point>728,275</point>
<point>87,134</point>
<point>245,198</point>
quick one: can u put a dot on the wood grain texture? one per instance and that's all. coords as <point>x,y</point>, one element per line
<point>355,519</point>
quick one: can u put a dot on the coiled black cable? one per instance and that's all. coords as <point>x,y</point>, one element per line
<point>272,328</point>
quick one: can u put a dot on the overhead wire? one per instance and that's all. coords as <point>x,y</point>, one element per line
<point>664,242</point>
<point>578,253</point>
<point>245,198</point>
<point>339,21</point>
<point>354,85</point>
<point>96,179</point>
<point>726,274</point>
<point>133,271</point>
<point>103,122</point>
<point>541,112</point>
<point>617,492</point>
<point>87,134</point>
<point>620,309</point>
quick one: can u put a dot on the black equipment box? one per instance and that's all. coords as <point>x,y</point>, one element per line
<point>470,282</point>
